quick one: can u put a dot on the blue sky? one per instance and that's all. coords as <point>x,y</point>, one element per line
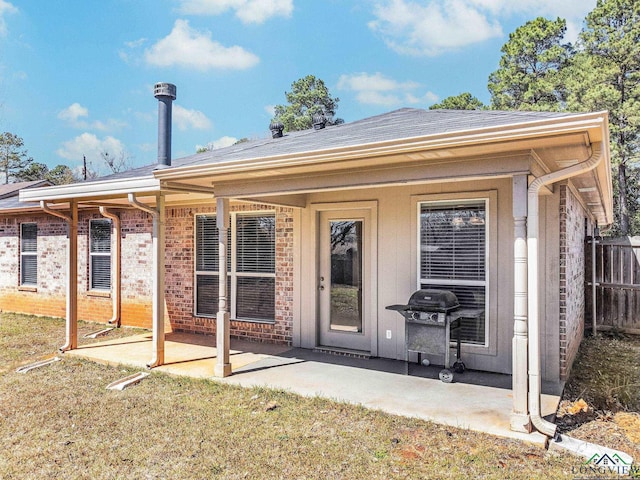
<point>76,77</point>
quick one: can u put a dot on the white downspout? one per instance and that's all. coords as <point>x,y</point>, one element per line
<point>117,263</point>
<point>158,275</point>
<point>71,329</point>
<point>592,162</point>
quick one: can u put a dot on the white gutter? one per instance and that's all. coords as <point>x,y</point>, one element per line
<point>91,190</point>
<point>592,162</point>
<point>55,213</point>
<point>158,275</point>
<point>117,261</point>
<point>574,124</point>
<point>141,206</point>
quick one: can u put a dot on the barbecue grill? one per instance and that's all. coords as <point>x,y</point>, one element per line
<point>430,319</point>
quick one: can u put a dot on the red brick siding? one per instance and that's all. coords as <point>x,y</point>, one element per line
<point>572,300</point>
<point>49,297</point>
<point>179,278</point>
<point>137,269</point>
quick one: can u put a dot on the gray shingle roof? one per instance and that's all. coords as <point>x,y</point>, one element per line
<point>12,189</point>
<point>398,124</point>
<point>9,194</point>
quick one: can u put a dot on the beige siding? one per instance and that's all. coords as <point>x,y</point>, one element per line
<point>397,264</point>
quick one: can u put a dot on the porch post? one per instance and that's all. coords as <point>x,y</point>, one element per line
<point>223,366</point>
<point>520,420</point>
<point>72,280</point>
<point>158,283</point>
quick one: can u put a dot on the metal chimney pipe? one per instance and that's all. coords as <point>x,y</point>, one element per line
<point>166,94</point>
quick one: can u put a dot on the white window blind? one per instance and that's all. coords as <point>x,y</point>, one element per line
<point>28,254</point>
<point>206,245</point>
<point>100,254</point>
<point>251,266</point>
<point>453,256</point>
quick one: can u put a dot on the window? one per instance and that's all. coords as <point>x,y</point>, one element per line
<point>100,254</point>
<point>250,262</point>
<point>453,256</point>
<point>28,254</point>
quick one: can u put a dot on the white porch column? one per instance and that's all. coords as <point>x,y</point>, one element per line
<point>223,366</point>
<point>520,420</point>
<point>158,283</point>
<point>72,280</point>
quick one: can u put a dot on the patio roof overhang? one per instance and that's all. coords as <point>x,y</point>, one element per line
<point>550,144</point>
<point>533,148</point>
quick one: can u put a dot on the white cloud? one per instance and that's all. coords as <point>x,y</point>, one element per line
<point>75,115</point>
<point>222,142</point>
<point>271,110</point>
<point>186,119</point>
<point>146,117</point>
<point>377,89</point>
<point>131,53</point>
<point>248,11</point>
<point>573,11</point>
<point>190,48</point>
<point>6,8</point>
<point>564,9</point>
<point>376,82</point>
<point>147,147</point>
<point>136,43</point>
<point>434,27</point>
<point>90,146</point>
<point>73,112</point>
<point>438,26</point>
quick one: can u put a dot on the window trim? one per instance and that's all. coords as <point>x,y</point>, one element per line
<point>490,197</point>
<point>24,253</point>
<point>100,254</point>
<point>232,273</point>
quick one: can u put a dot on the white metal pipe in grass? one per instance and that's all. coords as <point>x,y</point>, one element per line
<point>41,363</point>
<point>99,333</point>
<point>125,382</point>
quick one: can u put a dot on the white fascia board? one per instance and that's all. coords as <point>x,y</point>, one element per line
<point>91,190</point>
<point>503,133</point>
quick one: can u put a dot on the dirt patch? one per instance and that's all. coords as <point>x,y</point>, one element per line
<point>630,424</point>
<point>602,397</point>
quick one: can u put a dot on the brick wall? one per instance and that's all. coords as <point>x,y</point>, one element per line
<point>180,276</point>
<point>48,298</point>
<point>137,269</point>
<point>572,300</point>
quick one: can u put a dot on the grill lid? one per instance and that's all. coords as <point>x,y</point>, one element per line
<point>433,300</point>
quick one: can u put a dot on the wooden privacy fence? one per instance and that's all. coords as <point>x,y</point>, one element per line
<point>612,274</point>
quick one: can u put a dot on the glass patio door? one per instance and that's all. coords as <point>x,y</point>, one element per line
<point>343,283</point>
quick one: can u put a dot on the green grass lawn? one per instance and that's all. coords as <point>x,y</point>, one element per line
<point>60,422</point>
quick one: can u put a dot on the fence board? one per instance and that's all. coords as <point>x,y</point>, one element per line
<point>617,280</point>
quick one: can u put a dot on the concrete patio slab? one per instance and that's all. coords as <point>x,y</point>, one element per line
<point>475,400</point>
